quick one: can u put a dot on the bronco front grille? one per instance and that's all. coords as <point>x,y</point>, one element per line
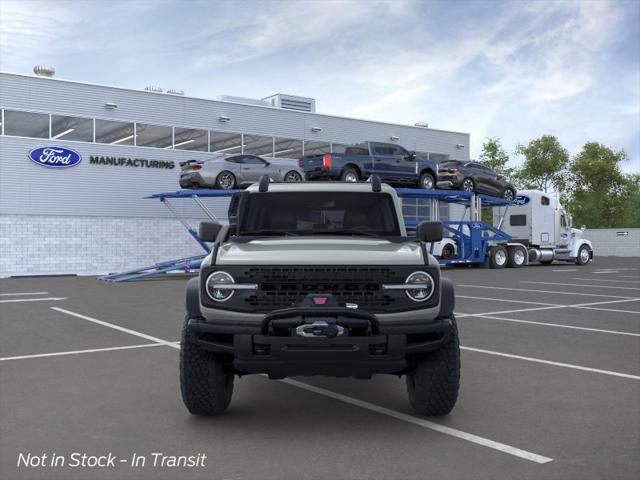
<point>281,287</point>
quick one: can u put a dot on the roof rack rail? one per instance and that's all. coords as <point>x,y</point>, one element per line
<point>263,186</point>
<point>376,185</point>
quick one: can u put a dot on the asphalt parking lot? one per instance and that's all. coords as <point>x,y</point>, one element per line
<point>550,387</point>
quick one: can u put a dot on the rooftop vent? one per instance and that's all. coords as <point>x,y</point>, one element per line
<point>248,101</point>
<point>44,71</point>
<point>153,88</point>
<point>291,102</point>
<point>175,91</point>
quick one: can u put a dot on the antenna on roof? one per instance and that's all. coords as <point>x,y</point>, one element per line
<point>263,186</point>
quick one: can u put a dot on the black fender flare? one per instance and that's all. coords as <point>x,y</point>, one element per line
<point>192,298</point>
<point>447,298</point>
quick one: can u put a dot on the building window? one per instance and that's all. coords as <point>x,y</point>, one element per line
<point>190,139</point>
<point>287,148</point>
<point>114,133</point>
<point>225,143</point>
<point>26,124</point>
<point>258,145</point>
<point>157,136</point>
<point>71,128</point>
<point>316,148</point>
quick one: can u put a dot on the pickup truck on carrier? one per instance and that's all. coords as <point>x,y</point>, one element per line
<point>392,163</point>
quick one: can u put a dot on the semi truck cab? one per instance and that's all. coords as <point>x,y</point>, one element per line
<point>538,221</point>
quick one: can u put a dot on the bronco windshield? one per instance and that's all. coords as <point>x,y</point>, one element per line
<point>318,213</point>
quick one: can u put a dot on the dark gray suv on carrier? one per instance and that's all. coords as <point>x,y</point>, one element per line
<point>319,279</point>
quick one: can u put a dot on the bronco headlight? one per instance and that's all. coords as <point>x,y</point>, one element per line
<point>418,286</point>
<point>215,286</point>
<point>424,286</point>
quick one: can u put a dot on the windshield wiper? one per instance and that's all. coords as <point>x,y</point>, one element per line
<point>269,232</point>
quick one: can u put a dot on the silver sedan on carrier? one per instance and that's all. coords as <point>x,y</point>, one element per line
<point>235,171</point>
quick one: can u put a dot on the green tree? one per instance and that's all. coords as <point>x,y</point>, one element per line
<point>545,164</point>
<point>599,191</point>
<point>630,216</point>
<point>495,157</point>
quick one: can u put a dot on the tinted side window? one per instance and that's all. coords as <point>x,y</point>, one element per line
<point>253,160</point>
<point>518,220</point>
<point>544,200</point>
<point>234,160</point>
<point>383,150</point>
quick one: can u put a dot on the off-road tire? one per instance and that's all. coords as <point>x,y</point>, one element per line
<point>434,381</point>
<point>206,382</point>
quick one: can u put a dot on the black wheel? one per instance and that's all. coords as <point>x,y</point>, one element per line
<point>427,181</point>
<point>349,175</point>
<point>517,257</point>
<point>584,255</point>
<point>498,257</point>
<point>292,176</point>
<point>206,380</point>
<point>434,380</point>
<point>508,194</point>
<point>225,180</point>
<point>468,185</point>
<point>448,251</point>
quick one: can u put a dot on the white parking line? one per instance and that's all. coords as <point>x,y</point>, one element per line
<point>116,327</point>
<point>558,325</point>
<point>581,285</point>
<point>469,437</point>
<point>629,276</point>
<point>23,293</point>
<point>566,270</point>
<point>605,280</point>
<point>527,290</point>
<point>506,300</point>
<point>76,352</point>
<point>588,306</point>
<point>47,299</point>
<point>549,362</point>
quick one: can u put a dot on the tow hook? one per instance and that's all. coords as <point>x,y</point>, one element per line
<point>320,328</point>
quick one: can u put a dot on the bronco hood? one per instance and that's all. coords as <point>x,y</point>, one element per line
<point>320,251</point>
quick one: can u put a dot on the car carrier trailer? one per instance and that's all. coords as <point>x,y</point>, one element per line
<point>542,236</point>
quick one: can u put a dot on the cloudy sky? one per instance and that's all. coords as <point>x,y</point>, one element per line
<point>510,69</point>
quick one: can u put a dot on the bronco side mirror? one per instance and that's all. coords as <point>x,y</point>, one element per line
<point>429,231</point>
<point>208,231</point>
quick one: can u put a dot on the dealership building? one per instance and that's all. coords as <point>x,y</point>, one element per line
<point>91,217</point>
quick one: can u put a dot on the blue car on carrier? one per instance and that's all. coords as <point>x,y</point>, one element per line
<point>392,163</point>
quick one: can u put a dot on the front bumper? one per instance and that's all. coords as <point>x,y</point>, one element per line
<point>275,348</point>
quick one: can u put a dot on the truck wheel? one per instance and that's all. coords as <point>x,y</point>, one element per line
<point>434,381</point>
<point>517,257</point>
<point>498,257</point>
<point>426,181</point>
<point>349,175</point>
<point>584,255</point>
<point>206,382</point>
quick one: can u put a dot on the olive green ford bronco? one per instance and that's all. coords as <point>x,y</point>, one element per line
<point>319,279</point>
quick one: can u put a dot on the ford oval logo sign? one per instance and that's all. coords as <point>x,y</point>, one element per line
<point>55,157</point>
<point>521,200</point>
